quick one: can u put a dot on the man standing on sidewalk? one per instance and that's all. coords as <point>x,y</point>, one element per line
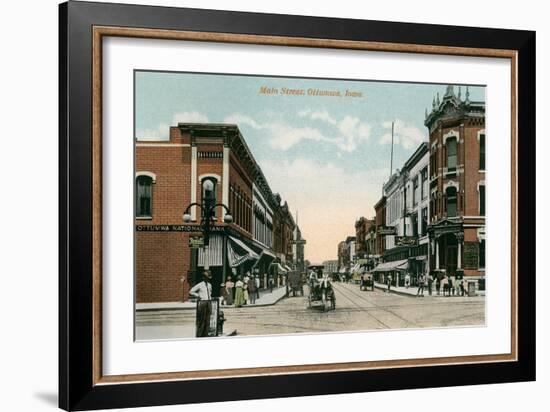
<point>257,282</point>
<point>430,283</point>
<point>203,292</point>
<point>421,280</point>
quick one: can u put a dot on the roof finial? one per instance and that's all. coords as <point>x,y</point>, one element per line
<point>450,91</point>
<point>459,92</point>
<point>438,101</point>
<point>433,103</point>
<point>467,101</point>
<point>425,113</point>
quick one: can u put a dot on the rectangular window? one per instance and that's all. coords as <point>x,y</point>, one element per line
<point>482,254</point>
<point>482,200</point>
<point>424,184</point>
<point>415,190</point>
<point>482,151</point>
<point>451,153</point>
<point>424,221</point>
<point>451,202</point>
<point>414,223</point>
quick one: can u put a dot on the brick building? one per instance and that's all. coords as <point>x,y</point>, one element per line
<point>380,210</point>
<point>343,256</point>
<point>362,234</point>
<point>202,162</point>
<point>457,186</point>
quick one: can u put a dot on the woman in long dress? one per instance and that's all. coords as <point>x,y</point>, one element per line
<point>229,290</point>
<point>239,293</point>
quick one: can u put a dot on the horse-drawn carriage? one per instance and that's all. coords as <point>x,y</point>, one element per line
<point>367,281</point>
<point>320,289</point>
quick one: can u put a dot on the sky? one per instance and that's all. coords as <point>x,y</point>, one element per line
<point>327,156</point>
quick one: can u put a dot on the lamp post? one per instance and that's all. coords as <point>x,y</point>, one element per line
<point>206,223</point>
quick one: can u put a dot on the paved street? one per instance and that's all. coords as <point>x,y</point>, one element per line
<point>355,310</point>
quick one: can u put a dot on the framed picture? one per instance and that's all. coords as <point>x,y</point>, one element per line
<point>257,206</point>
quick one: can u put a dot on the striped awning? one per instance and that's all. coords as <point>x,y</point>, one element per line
<point>389,266</point>
<point>238,252</point>
<point>215,252</point>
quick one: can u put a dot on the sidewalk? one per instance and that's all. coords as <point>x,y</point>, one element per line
<point>411,291</point>
<point>266,299</point>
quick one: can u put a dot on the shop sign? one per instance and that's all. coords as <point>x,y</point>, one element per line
<point>406,240</point>
<point>386,230</point>
<point>196,242</point>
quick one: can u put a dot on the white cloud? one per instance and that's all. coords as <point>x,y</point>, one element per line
<point>405,134</point>
<point>240,119</point>
<point>347,134</point>
<point>280,135</point>
<point>327,197</point>
<point>318,115</point>
<point>160,133</point>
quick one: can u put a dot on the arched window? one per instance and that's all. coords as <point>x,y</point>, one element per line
<point>451,153</point>
<point>144,198</point>
<point>451,201</point>
<point>209,193</point>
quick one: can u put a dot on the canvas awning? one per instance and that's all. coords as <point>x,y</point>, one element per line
<point>215,252</point>
<point>238,252</point>
<point>389,266</point>
<point>266,256</point>
<point>288,268</point>
<point>355,268</point>
<point>280,269</point>
<point>343,270</point>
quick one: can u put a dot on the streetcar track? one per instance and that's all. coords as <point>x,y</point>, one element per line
<point>363,309</point>
<point>368,301</point>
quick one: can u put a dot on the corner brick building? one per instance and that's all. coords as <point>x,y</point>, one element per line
<point>202,161</point>
<point>457,187</point>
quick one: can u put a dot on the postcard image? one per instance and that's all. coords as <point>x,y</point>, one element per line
<point>281,205</point>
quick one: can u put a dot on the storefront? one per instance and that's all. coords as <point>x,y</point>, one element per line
<point>397,269</point>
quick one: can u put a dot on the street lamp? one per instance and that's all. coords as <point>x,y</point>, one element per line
<point>207,221</point>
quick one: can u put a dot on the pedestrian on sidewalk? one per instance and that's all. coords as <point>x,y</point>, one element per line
<point>453,284</point>
<point>445,285</point>
<point>407,280</point>
<point>270,281</point>
<point>420,291</point>
<point>203,292</point>
<point>252,290</point>
<point>257,283</point>
<point>246,280</point>
<point>438,285</point>
<point>239,292</point>
<point>229,285</point>
<point>223,294</point>
<point>388,280</point>
<point>430,283</point>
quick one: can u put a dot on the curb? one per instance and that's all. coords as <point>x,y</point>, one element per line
<point>222,307</point>
<point>397,292</point>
